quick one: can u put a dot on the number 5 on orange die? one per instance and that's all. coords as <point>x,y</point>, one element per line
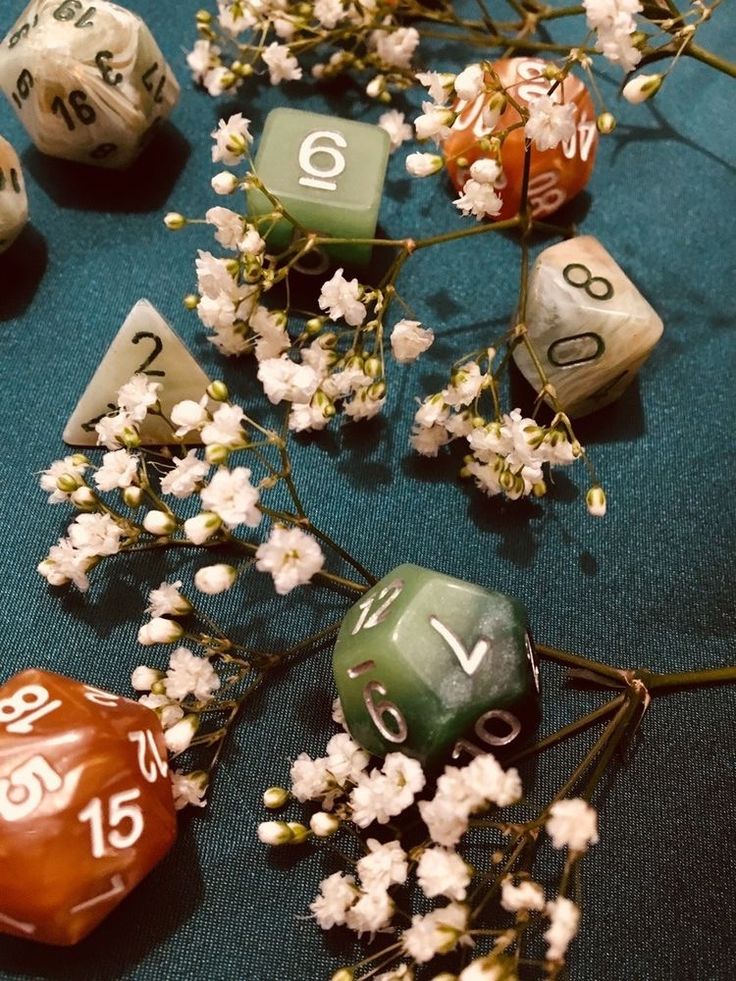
<point>86,808</point>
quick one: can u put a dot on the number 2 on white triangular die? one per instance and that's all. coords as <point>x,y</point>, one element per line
<point>145,344</point>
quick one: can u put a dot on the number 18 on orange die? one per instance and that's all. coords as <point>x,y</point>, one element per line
<point>86,808</point>
<point>556,175</point>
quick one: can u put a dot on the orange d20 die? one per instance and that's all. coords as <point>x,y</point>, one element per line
<point>86,808</point>
<point>556,175</point>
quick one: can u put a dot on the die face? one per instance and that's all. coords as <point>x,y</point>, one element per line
<point>88,82</point>
<point>13,198</point>
<point>589,324</point>
<point>85,804</point>
<point>556,175</point>
<point>424,657</point>
<point>327,172</point>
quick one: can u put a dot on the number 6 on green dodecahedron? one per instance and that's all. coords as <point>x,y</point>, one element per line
<point>436,668</point>
<point>328,174</point>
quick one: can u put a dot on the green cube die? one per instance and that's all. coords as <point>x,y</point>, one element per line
<point>436,667</point>
<point>327,172</point>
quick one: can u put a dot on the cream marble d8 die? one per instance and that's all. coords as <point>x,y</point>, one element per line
<point>435,667</point>
<point>87,80</point>
<point>13,199</point>
<point>327,172</point>
<point>590,326</point>
<point>86,808</point>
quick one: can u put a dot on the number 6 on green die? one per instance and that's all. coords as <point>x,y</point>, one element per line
<point>436,667</point>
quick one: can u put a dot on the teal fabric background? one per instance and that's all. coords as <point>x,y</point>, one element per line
<point>651,585</point>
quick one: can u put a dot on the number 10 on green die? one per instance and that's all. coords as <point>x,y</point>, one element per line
<point>328,174</point>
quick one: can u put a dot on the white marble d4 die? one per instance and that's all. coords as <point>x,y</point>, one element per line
<point>87,80</point>
<point>590,326</point>
<point>13,199</point>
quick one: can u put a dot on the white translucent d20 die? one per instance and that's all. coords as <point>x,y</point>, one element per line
<point>13,199</point>
<point>590,326</point>
<point>87,80</point>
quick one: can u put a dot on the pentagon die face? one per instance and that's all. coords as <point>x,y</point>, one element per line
<point>13,199</point>
<point>329,175</point>
<point>87,81</point>
<point>435,667</point>
<point>86,808</point>
<point>589,324</point>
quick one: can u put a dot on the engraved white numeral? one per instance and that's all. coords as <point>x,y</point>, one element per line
<point>544,195</point>
<point>536,85</point>
<point>320,176</point>
<point>20,710</point>
<point>119,809</point>
<point>367,619</point>
<point>23,791</point>
<point>150,761</point>
<point>117,884</point>
<point>377,711</point>
<point>27,928</point>
<point>99,697</point>
<point>469,662</point>
<point>585,133</point>
<point>485,735</point>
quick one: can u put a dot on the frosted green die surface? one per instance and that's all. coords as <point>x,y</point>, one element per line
<point>327,172</point>
<point>422,657</point>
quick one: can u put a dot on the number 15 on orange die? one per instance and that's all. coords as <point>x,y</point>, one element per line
<point>86,807</point>
<point>555,175</point>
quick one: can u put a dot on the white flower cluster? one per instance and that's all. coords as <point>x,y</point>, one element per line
<point>614,23</point>
<point>508,455</point>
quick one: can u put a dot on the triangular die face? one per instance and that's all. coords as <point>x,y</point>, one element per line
<point>144,344</point>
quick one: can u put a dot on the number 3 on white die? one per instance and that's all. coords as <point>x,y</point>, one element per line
<point>320,177</point>
<point>19,711</point>
<point>29,782</point>
<point>120,809</point>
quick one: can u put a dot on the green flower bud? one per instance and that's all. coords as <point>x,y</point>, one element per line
<point>275,797</point>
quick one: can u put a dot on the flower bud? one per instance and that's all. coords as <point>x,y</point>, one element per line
<point>68,482</point>
<point>377,391</point>
<point>159,688</point>
<point>606,123</point>
<point>216,454</point>
<point>328,340</point>
<point>595,501</point>
<point>174,221</point>
<point>214,579</point>
<point>203,17</point>
<point>201,527</point>
<point>144,678</point>
<point>85,499</point>
<point>159,630</point>
<point>159,523</point>
<point>275,797</point>
<point>376,86</point>
<point>179,736</point>
<point>539,489</point>
<point>372,367</point>
<point>275,833</point>
<point>130,438</point>
<point>323,825</point>
<point>344,974</point>
<point>132,496</point>
<point>314,325</point>
<point>191,301</point>
<point>642,87</point>
<point>218,391</point>
<point>224,182</point>
<point>299,832</point>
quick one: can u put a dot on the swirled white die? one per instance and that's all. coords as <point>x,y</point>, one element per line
<point>13,200</point>
<point>87,81</point>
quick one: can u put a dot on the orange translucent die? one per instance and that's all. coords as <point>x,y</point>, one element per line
<point>556,175</point>
<point>86,808</point>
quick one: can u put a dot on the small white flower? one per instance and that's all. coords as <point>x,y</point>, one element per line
<point>395,48</point>
<point>185,476</point>
<point>202,527</point>
<point>409,339</point>
<point>224,182</point>
<point>565,919</point>
<point>398,130</point>
<point>119,470</point>
<point>340,298</point>
<point>322,825</point>
<point>291,556</point>
<point>363,405</point>
<point>345,759</point>
<point>434,123</point>
<point>470,83</point>
<point>228,225</point>
<point>337,893</point>
<point>202,58</point>
<point>231,495</point>
<point>144,678</point>
<point>116,430</point>
<point>137,396</point>
<point>549,122</point>
<point>232,139</point>
<point>310,779</point>
<point>214,579</point>
<point>95,534</point>
<point>168,601</point>
<point>328,13</point>
<point>467,383</point>
<point>159,523</point>
<point>486,170</point>
<point>371,799</point>
<point>385,865</point>
<point>159,630</point>
<point>190,675</point>
<point>423,164</point>
<point>251,243</point>
<point>572,824</point>
<point>595,501</point>
<point>437,932</point>
<point>438,84</point>
<point>478,199</point>
<point>432,411</point>
<point>282,65</point>
<point>427,440</point>
<point>70,466</point>
<point>66,564</point>
<point>189,415</point>
<point>226,427</point>
<point>527,895</point>
<point>167,711</point>
<point>442,872</point>
<point>284,380</point>
<point>371,913</point>
<point>189,789</point>
<point>179,736</point>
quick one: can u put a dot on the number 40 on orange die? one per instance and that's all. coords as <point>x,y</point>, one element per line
<point>86,808</point>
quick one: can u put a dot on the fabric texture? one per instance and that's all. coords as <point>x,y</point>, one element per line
<point>651,585</point>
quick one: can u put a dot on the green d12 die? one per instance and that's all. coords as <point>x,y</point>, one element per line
<point>435,667</point>
<point>327,172</point>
